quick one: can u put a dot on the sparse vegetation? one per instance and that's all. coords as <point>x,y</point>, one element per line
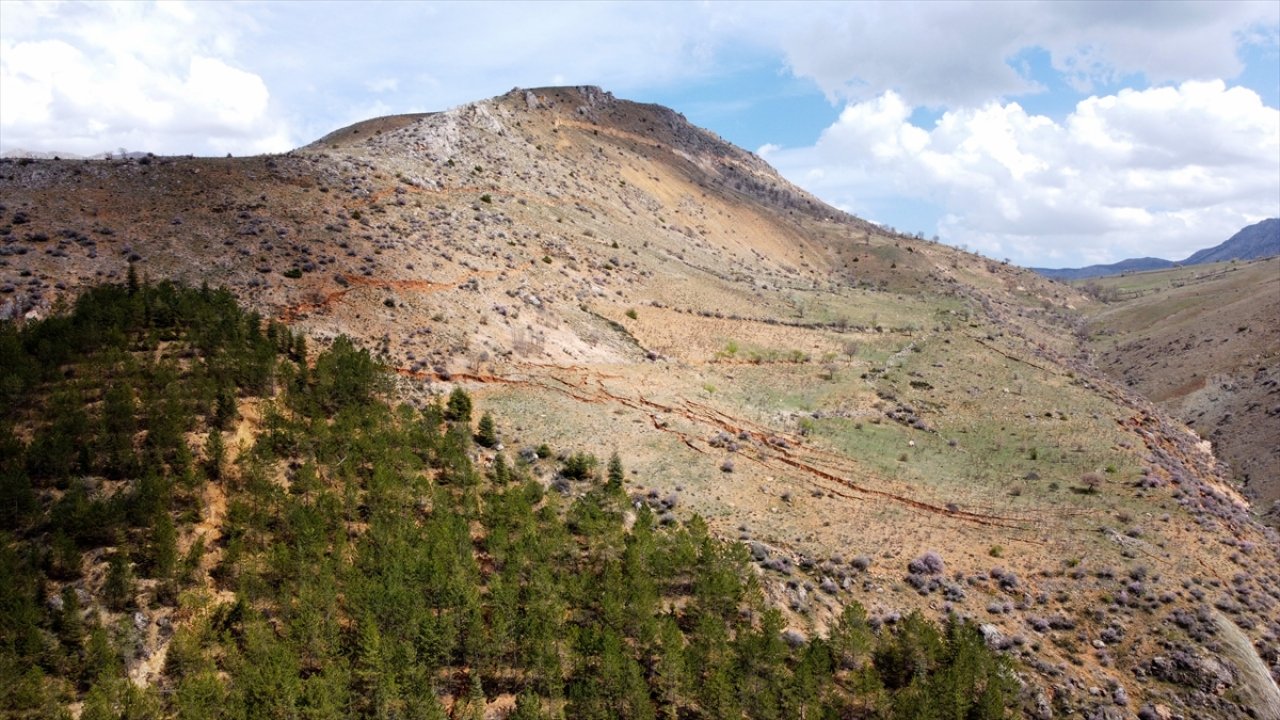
<point>382,556</point>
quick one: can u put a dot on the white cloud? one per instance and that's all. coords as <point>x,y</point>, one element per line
<point>138,57</point>
<point>383,85</point>
<point>1163,171</point>
<point>954,54</point>
<point>85,78</point>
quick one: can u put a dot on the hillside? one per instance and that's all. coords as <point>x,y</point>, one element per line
<point>604,276</point>
<point>1256,241</point>
<point>1259,240</point>
<point>329,555</point>
<point>1203,342</point>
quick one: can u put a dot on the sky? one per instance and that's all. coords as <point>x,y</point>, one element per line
<point>1052,134</point>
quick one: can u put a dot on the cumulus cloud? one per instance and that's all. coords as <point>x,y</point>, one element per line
<point>961,54</point>
<point>88,78</point>
<point>1163,171</point>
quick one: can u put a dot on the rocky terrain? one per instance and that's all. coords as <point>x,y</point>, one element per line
<point>877,417</point>
<point>1203,342</point>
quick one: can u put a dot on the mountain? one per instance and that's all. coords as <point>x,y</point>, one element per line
<point>869,416</point>
<point>1259,240</point>
<point>1256,241</point>
<point>1091,271</point>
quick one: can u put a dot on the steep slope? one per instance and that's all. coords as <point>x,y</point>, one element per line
<point>606,276</point>
<point>1203,342</point>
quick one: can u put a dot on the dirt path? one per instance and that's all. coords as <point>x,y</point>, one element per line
<point>770,448</point>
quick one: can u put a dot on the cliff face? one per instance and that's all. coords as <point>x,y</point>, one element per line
<point>610,277</point>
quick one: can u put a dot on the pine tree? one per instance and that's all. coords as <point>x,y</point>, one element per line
<point>101,660</point>
<point>669,669</point>
<point>761,662</point>
<point>851,639</point>
<point>486,433</point>
<point>118,590</point>
<point>458,408</point>
<point>164,547</point>
<point>132,279</point>
<point>374,680</point>
<point>224,412</point>
<point>214,454</point>
<point>528,707</point>
<point>66,556</point>
<point>615,473</point>
<point>501,472</point>
<point>100,703</point>
<point>472,704</point>
<point>913,650</point>
<point>119,423</point>
<point>70,626</point>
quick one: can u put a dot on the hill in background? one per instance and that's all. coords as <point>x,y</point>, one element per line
<point>1262,239</point>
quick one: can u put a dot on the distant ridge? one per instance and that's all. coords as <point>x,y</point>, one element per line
<point>1256,241</point>
<point>1259,240</point>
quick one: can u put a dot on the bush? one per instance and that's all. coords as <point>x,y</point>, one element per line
<point>929,563</point>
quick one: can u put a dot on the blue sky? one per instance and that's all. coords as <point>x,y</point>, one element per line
<point>1054,134</point>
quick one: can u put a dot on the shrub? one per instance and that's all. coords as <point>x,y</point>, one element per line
<point>929,563</point>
